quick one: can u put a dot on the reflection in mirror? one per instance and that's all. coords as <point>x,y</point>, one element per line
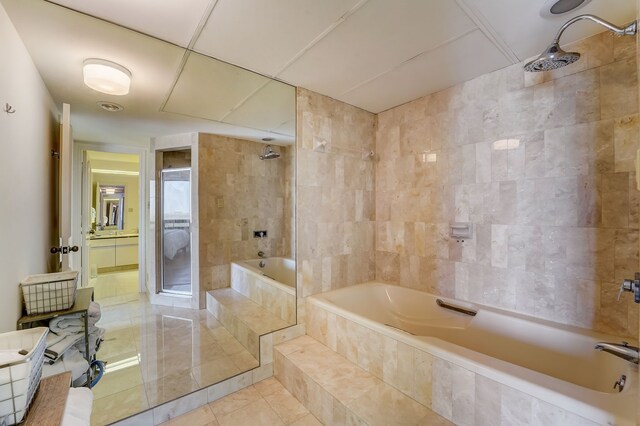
<point>175,242</point>
<point>110,211</point>
<point>156,354</point>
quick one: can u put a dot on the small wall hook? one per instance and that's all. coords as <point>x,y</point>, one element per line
<point>9,109</point>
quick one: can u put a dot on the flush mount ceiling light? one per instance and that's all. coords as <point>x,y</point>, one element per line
<point>553,8</point>
<point>106,77</point>
<point>110,106</point>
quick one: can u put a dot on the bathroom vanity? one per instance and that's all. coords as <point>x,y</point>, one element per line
<point>113,252</point>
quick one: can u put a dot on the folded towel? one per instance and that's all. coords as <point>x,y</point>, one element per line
<point>67,324</point>
<point>53,338</point>
<point>72,361</point>
<point>96,336</point>
<point>94,312</point>
<point>77,410</point>
<point>55,351</point>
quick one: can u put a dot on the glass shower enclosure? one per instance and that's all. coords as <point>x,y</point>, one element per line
<point>175,221</point>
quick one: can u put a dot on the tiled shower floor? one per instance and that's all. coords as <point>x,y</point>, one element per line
<point>155,353</point>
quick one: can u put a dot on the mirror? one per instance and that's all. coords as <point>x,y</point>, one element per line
<point>156,354</point>
<point>110,207</point>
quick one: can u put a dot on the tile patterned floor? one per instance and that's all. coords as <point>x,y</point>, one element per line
<point>156,353</point>
<point>266,403</point>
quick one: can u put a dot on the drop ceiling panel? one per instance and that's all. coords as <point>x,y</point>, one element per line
<point>375,39</point>
<point>173,21</point>
<point>268,109</point>
<point>459,61</point>
<point>519,24</point>
<point>265,35</point>
<point>59,40</point>
<point>211,89</point>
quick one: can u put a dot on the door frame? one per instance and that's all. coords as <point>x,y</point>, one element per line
<point>143,201</point>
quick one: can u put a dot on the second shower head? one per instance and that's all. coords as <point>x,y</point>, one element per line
<point>269,153</point>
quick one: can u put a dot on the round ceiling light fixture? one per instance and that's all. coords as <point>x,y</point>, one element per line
<point>106,77</point>
<point>552,8</point>
<point>110,106</point>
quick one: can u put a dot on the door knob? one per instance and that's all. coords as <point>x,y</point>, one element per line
<point>64,249</point>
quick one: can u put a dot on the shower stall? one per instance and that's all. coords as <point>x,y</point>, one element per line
<point>175,237</point>
<point>173,219</point>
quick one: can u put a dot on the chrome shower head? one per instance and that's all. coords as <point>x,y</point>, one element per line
<point>553,57</point>
<point>269,153</point>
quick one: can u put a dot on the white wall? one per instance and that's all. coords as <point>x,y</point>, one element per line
<point>27,183</point>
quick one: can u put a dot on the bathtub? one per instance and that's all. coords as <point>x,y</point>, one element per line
<point>279,269</point>
<point>272,285</point>
<point>549,362</point>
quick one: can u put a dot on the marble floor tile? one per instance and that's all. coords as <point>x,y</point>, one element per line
<point>199,417</point>
<point>170,387</point>
<point>286,406</point>
<point>268,386</point>
<point>117,379</point>
<point>119,405</point>
<point>308,420</point>
<point>157,353</point>
<point>213,372</point>
<point>257,413</point>
<point>234,401</point>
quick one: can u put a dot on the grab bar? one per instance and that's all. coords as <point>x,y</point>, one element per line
<point>455,308</point>
<point>399,329</point>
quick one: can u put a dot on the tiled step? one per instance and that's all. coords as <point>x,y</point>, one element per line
<point>337,391</point>
<point>245,319</point>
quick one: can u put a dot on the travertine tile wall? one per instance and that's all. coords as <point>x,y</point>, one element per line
<point>335,207</point>
<point>555,217</point>
<point>240,193</point>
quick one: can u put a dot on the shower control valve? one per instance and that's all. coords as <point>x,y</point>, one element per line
<point>631,286</point>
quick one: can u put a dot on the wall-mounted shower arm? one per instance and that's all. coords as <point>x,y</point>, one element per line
<point>630,29</point>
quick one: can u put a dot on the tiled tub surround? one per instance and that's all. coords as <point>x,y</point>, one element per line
<point>272,287</point>
<point>239,194</point>
<point>338,392</point>
<point>335,207</point>
<point>542,165</point>
<point>465,385</point>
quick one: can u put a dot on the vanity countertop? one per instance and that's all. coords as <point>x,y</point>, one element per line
<point>110,236</point>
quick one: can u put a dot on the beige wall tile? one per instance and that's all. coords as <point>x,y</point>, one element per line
<point>542,165</point>
<point>335,207</point>
<point>442,388</point>
<point>239,194</point>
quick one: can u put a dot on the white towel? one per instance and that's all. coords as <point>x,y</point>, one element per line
<point>53,338</point>
<point>67,324</point>
<point>77,410</point>
<point>55,351</point>
<point>72,361</point>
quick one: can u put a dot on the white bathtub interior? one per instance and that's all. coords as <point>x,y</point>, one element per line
<point>279,269</point>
